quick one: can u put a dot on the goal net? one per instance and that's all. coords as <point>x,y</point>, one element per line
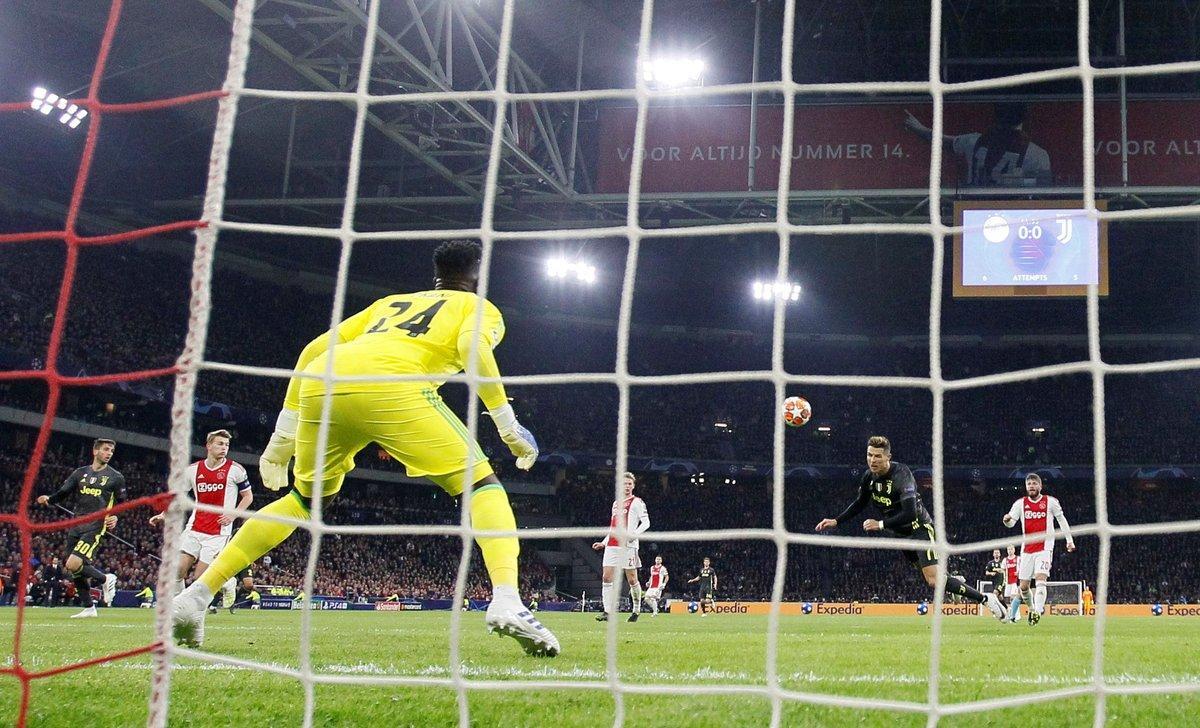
<point>1059,594</point>
<point>773,689</point>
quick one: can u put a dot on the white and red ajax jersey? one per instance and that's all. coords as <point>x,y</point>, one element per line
<point>658,576</point>
<point>1010,569</point>
<point>1035,517</point>
<point>636,520</point>
<point>217,486</point>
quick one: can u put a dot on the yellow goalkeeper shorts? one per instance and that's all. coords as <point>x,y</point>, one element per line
<point>413,425</point>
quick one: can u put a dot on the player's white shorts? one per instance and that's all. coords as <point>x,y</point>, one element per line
<point>654,594</point>
<point>622,558</point>
<point>202,546</point>
<point>1037,562</point>
<point>1012,590</point>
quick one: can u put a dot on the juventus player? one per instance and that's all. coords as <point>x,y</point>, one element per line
<point>657,582</point>
<point>215,481</point>
<point>890,486</point>
<point>1034,512</point>
<point>631,511</point>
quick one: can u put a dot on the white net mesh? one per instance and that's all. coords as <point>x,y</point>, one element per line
<point>192,362</point>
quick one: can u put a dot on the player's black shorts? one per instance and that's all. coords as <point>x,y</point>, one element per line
<point>923,557</point>
<point>706,592</point>
<point>85,540</point>
<point>998,587</point>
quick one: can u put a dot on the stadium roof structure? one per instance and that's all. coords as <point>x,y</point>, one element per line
<point>425,162</point>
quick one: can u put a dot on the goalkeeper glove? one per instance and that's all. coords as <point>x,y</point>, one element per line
<point>520,441</point>
<point>273,464</point>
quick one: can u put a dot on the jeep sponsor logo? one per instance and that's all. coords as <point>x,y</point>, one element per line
<point>91,491</point>
<point>1183,610</point>
<point>839,609</point>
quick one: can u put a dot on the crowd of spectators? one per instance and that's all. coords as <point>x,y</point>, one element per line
<point>125,316</point>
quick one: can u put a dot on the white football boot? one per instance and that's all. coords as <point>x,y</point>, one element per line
<point>993,603</point>
<point>110,588</point>
<point>187,615</point>
<point>507,616</point>
<point>89,612</point>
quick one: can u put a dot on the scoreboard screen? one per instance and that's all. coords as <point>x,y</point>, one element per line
<point>1026,248</point>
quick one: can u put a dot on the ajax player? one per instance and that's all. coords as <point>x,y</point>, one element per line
<point>1034,511</point>
<point>629,511</point>
<point>1011,592</point>
<point>429,334</point>
<point>891,488</point>
<point>657,582</point>
<point>216,481</point>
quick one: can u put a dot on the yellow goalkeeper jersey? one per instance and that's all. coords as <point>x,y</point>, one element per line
<point>428,332</point>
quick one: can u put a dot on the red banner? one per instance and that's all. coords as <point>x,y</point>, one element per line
<point>866,146</point>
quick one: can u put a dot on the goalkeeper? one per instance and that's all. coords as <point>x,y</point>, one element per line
<point>425,333</point>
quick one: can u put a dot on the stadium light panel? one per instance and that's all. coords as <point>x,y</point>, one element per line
<point>45,103</point>
<point>766,291</point>
<point>563,269</point>
<point>666,72</point>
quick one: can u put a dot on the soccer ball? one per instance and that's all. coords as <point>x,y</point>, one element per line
<point>692,607</point>
<point>807,608</point>
<point>922,609</point>
<point>1156,610</point>
<point>796,411</point>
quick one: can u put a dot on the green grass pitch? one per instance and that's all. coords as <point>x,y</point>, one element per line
<point>871,657</point>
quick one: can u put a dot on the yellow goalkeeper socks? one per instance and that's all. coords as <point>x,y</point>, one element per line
<point>490,511</point>
<point>256,537</point>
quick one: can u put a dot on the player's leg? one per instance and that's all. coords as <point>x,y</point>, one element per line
<point>926,560</point>
<point>635,589</point>
<point>1013,592</point>
<point>1026,566</point>
<point>416,428</point>
<point>85,541</point>
<point>186,562</point>
<point>1039,593</point>
<point>609,593</point>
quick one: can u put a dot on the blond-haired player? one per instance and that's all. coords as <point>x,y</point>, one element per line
<point>216,481</point>
<point>628,512</point>
<point>430,333</point>
<point>1035,512</point>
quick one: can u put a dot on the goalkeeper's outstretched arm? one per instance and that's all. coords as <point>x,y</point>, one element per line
<point>520,441</point>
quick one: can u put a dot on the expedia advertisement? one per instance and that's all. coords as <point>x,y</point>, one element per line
<point>857,609</point>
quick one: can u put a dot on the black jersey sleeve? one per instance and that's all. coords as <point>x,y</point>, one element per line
<point>67,488</point>
<point>864,497</point>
